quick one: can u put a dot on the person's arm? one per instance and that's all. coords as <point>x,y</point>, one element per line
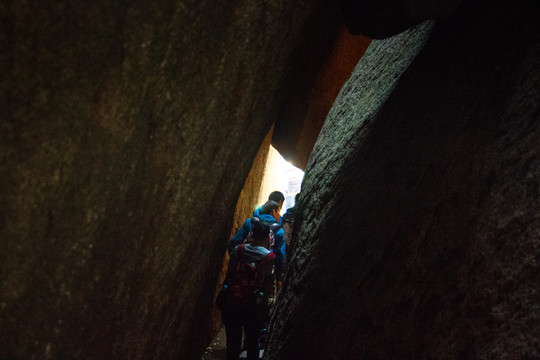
<point>241,235</point>
<point>279,251</point>
<point>231,266</point>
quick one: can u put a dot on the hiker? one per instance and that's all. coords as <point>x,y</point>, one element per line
<point>268,213</point>
<point>276,196</point>
<point>249,284</point>
<point>243,233</point>
<point>288,223</point>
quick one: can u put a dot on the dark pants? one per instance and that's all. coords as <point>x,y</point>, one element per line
<point>235,318</point>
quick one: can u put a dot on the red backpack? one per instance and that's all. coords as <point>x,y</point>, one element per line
<point>246,282</point>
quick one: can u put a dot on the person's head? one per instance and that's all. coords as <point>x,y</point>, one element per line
<point>261,233</point>
<point>278,197</point>
<point>271,208</point>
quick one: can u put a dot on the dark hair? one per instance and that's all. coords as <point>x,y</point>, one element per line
<point>276,196</point>
<point>268,207</point>
<point>261,230</point>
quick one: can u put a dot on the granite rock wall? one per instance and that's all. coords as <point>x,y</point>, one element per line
<point>418,231</point>
<point>127,132</point>
<point>304,109</point>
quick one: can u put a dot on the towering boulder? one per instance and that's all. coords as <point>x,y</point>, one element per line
<point>418,234</point>
<point>127,132</point>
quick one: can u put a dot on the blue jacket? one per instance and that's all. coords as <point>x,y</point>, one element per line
<point>279,244</point>
<point>258,211</point>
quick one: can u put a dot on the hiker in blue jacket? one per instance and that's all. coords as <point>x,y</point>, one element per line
<point>269,213</point>
<point>242,234</point>
<point>276,196</point>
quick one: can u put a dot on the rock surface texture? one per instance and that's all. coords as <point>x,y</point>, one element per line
<point>380,19</point>
<point>419,230</point>
<point>127,132</point>
<point>311,96</point>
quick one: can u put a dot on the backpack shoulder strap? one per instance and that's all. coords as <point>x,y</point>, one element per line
<point>240,251</point>
<point>267,259</point>
<point>275,226</point>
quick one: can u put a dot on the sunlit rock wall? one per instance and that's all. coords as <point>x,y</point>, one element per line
<point>419,230</point>
<point>311,95</point>
<point>250,196</point>
<point>327,65</point>
<point>127,132</point>
<point>346,52</point>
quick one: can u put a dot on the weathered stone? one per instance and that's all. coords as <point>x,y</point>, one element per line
<point>127,132</point>
<point>313,92</point>
<point>379,19</point>
<point>418,234</point>
<point>249,196</point>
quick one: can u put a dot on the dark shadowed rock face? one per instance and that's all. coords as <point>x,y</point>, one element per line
<point>418,235</point>
<point>380,19</point>
<point>127,132</point>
